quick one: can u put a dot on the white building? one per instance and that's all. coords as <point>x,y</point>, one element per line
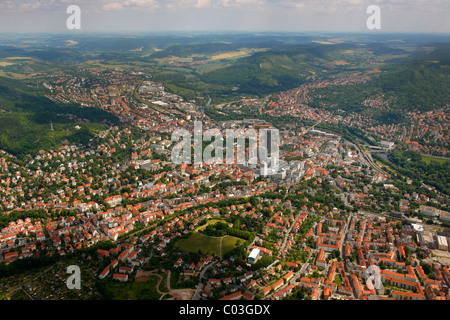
<point>442,243</point>
<point>417,227</point>
<point>445,216</point>
<point>429,211</point>
<point>387,145</point>
<point>254,255</point>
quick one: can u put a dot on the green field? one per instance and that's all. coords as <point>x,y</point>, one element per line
<point>433,159</point>
<point>145,290</point>
<point>207,244</point>
<point>338,280</point>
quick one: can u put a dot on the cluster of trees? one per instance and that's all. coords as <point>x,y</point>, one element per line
<point>418,84</point>
<point>34,215</point>
<point>275,70</point>
<point>27,264</point>
<point>412,85</point>
<point>25,128</point>
<point>345,97</point>
<point>221,229</point>
<point>428,270</point>
<point>410,163</point>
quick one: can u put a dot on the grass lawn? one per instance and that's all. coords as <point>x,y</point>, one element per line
<point>338,280</point>
<point>145,290</point>
<point>430,159</point>
<point>207,244</point>
<point>229,243</point>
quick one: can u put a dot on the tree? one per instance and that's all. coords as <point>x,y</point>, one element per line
<point>263,262</point>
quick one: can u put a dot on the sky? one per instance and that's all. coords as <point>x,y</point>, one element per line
<point>224,15</point>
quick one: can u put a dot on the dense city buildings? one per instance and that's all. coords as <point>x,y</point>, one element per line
<point>121,209</point>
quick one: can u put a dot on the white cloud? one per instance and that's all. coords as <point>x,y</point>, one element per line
<point>203,3</point>
<point>141,3</point>
<point>214,4</point>
<point>185,4</point>
<point>7,5</point>
<point>114,6</point>
<point>30,6</point>
<point>130,4</point>
<point>324,6</point>
<point>240,3</point>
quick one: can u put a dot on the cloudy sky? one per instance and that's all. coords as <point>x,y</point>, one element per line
<point>224,15</point>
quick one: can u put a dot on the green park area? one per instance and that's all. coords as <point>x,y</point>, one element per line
<point>217,246</point>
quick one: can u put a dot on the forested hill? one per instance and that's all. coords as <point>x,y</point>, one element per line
<point>25,116</point>
<point>416,79</point>
<point>420,82</point>
<point>276,70</point>
<point>419,85</point>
